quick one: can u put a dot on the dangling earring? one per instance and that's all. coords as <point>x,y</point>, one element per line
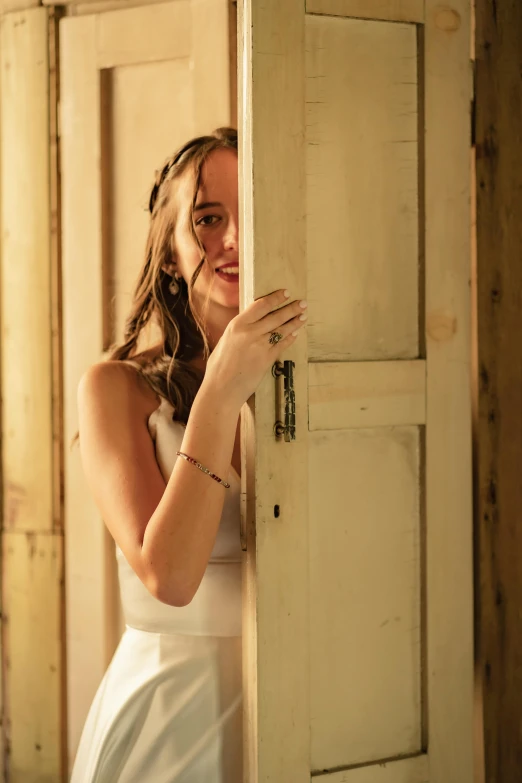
<point>174,285</point>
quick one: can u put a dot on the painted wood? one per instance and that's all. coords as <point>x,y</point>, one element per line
<point>385,509</point>
<point>499,380</point>
<point>386,10</point>
<point>96,6</point>
<point>413,770</point>
<point>32,568</point>
<point>447,96</point>
<point>7,6</point>
<point>362,197</point>
<point>86,543</point>
<point>366,532</point>
<point>272,185</point>
<point>26,339</point>
<point>132,92</point>
<point>32,575</point>
<point>366,394</point>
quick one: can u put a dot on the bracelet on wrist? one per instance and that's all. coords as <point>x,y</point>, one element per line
<point>202,468</point>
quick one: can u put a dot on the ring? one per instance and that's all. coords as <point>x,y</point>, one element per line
<point>275,337</point>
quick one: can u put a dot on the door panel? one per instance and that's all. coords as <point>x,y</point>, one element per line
<point>365,595</point>
<point>362,189</point>
<point>136,84</point>
<point>360,586</point>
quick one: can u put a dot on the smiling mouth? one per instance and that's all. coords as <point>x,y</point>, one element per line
<point>229,274</point>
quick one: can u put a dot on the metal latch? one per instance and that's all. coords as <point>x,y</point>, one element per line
<point>285,428</point>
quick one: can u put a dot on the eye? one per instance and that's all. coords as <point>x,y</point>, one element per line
<point>207,220</point>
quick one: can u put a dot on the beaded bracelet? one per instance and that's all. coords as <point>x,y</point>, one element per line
<point>205,470</point>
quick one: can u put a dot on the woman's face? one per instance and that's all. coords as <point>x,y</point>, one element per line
<point>216,223</point>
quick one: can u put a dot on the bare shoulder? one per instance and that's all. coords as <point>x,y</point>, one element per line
<point>117,386</point>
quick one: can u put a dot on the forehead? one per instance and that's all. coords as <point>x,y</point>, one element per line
<point>219,175</point>
<point>218,181</point>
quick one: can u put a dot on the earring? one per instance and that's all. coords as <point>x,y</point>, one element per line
<point>174,285</point>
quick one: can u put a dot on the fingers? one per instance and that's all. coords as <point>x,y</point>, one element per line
<point>284,315</point>
<point>265,305</point>
<point>290,327</point>
<point>287,340</point>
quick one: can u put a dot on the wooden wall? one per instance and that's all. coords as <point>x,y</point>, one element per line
<point>499,307</point>
<point>32,531</point>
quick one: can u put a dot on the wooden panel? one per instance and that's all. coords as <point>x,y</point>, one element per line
<point>6,6</point>
<point>32,572</point>
<point>387,10</point>
<point>414,770</point>
<point>366,394</point>
<point>272,185</point>
<point>26,299</point>
<point>362,195</point>
<point>137,94</point>
<point>83,316</point>
<point>365,557</point>
<point>211,57</point>
<point>448,445</point>
<point>499,430</point>
<point>31,537</point>
<point>95,6</point>
<point>120,44</point>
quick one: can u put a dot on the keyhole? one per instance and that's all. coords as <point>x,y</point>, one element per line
<point>276,511</point>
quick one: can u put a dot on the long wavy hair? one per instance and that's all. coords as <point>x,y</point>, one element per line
<point>182,328</point>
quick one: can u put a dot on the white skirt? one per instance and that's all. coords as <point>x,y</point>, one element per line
<point>168,710</point>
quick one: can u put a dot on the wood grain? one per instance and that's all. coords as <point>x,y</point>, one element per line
<point>499,297</point>
<point>384,10</point>
<point>449,665</point>
<point>32,537</point>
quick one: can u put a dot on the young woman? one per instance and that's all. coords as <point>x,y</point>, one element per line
<point>159,439</point>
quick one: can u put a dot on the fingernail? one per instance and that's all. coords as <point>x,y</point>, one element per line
<point>303,303</point>
<point>286,293</point>
<point>303,317</point>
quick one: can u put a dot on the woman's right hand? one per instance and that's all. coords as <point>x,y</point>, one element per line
<point>243,354</point>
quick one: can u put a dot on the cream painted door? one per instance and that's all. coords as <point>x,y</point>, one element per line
<point>358,569</point>
<point>136,83</point>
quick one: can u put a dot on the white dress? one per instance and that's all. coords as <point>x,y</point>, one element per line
<point>168,709</point>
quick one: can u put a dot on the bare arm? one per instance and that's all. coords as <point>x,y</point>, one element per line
<point>183,547</point>
<point>166,532</point>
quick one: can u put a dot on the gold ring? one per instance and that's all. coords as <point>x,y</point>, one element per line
<point>275,337</point>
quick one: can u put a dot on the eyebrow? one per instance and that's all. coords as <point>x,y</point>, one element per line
<point>207,204</point>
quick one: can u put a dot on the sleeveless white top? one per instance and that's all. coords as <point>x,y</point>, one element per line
<point>215,610</point>
<point>169,707</point>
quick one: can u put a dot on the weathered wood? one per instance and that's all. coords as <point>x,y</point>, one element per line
<point>449,662</point>
<point>32,569</point>
<point>386,10</point>
<point>499,297</point>
<point>413,770</point>
<point>273,249</point>
<point>32,579</point>
<point>7,6</point>
<point>366,394</point>
<point>26,303</point>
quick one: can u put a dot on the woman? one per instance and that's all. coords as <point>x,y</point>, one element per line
<point>159,439</point>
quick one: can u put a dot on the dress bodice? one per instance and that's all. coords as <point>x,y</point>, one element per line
<point>215,610</point>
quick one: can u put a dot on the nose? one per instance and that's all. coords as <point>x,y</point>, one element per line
<point>231,236</point>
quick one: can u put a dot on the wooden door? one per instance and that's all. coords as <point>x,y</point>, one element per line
<point>136,83</point>
<point>355,137</point>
